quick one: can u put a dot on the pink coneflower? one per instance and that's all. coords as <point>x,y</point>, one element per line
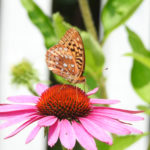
<point>70,114</point>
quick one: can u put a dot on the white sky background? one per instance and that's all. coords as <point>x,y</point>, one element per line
<point>21,39</point>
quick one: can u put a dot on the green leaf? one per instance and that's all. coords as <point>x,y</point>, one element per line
<point>123,142</point>
<point>140,58</point>
<point>57,146</point>
<point>41,21</point>
<point>136,43</point>
<point>140,80</point>
<point>60,25</point>
<point>94,56</point>
<point>146,109</point>
<point>120,142</point>
<point>102,146</point>
<point>140,73</point>
<point>78,147</point>
<point>116,12</point>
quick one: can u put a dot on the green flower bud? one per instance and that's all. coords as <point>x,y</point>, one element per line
<point>23,73</point>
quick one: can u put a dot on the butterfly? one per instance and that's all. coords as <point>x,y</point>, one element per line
<point>67,58</point>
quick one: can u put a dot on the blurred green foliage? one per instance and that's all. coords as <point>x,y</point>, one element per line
<point>140,73</point>
<point>24,73</point>
<point>146,109</point>
<point>121,142</point>
<point>116,12</point>
<point>42,22</point>
<point>145,60</point>
<point>78,147</point>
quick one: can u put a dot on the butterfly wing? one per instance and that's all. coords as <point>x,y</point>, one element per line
<point>60,61</point>
<point>72,40</point>
<point>67,59</point>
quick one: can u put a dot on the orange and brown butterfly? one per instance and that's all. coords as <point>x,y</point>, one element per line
<point>67,58</point>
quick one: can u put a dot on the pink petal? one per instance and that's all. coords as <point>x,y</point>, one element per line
<point>23,99</point>
<point>33,133</point>
<point>6,115</point>
<point>83,137</point>
<point>95,130</point>
<point>67,135</point>
<point>15,107</point>
<point>53,134</point>
<point>92,92</point>
<point>20,128</point>
<point>133,130</point>
<point>15,120</point>
<point>40,88</point>
<point>114,126</point>
<point>122,110</point>
<point>116,114</point>
<point>103,101</point>
<point>47,121</point>
<point>110,124</point>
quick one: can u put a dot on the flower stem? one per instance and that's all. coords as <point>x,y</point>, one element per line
<point>87,17</point>
<point>103,87</point>
<point>31,89</point>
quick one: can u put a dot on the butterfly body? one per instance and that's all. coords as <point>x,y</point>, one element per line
<point>67,58</point>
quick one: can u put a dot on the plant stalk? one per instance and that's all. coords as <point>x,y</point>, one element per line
<point>30,88</point>
<point>87,17</point>
<point>103,87</point>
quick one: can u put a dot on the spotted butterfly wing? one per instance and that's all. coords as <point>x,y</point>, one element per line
<point>67,58</point>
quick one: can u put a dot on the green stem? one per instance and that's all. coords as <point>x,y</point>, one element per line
<point>87,17</point>
<point>31,89</point>
<point>103,87</point>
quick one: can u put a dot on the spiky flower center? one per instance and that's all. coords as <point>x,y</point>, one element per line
<point>64,102</point>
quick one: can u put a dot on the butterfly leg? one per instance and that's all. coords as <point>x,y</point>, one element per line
<point>61,88</point>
